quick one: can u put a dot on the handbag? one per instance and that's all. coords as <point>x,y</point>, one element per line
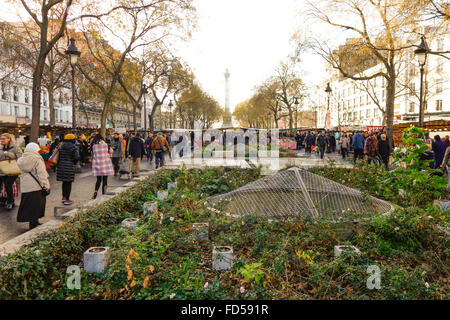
<point>9,167</point>
<point>45,192</point>
<point>55,156</point>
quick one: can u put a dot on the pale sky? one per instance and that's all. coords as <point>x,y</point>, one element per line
<point>250,37</point>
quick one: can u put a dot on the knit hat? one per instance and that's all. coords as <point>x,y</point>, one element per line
<point>69,136</point>
<point>33,146</point>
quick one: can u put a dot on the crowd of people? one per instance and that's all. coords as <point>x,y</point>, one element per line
<point>371,146</point>
<point>107,156</point>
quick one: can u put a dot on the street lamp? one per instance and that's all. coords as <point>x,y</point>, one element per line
<point>421,54</point>
<point>170,119</point>
<point>144,92</point>
<point>328,92</point>
<point>73,54</point>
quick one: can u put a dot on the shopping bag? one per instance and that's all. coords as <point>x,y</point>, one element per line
<point>9,167</point>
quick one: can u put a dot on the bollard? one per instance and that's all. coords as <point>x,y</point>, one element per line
<point>96,259</point>
<point>222,258</point>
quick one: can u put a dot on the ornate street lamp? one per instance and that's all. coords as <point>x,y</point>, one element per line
<point>421,54</point>
<point>73,54</point>
<point>328,92</point>
<point>144,92</point>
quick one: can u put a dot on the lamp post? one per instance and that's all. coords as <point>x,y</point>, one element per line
<point>73,54</point>
<point>328,92</point>
<point>144,91</point>
<point>421,54</point>
<point>170,118</point>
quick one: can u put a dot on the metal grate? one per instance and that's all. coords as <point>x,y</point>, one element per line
<point>287,193</point>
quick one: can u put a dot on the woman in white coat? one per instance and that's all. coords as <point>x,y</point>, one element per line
<point>34,179</point>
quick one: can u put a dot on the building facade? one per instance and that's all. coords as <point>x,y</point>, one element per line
<point>360,103</point>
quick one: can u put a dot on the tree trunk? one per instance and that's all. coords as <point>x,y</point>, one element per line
<point>36,99</point>
<point>390,104</point>
<point>51,102</point>
<point>134,119</point>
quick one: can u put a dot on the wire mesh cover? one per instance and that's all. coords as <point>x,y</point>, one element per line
<point>289,192</point>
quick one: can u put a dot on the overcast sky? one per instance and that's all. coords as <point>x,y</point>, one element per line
<point>250,37</point>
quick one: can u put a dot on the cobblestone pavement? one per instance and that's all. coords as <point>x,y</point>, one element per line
<point>82,192</point>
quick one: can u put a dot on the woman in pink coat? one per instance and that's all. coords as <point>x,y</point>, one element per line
<point>101,163</point>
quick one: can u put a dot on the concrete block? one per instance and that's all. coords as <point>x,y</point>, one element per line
<point>130,223</point>
<point>339,249</point>
<point>150,207</point>
<point>222,258</point>
<point>95,259</point>
<point>201,231</point>
<point>162,195</point>
<point>61,209</point>
<point>171,186</point>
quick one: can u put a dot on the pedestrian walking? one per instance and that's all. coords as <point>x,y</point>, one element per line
<point>10,152</point>
<point>322,143</point>
<point>102,166</point>
<point>148,147</point>
<point>65,170</point>
<point>438,147</point>
<point>371,148</point>
<point>117,147</point>
<point>159,146</point>
<point>384,150</point>
<point>34,184</point>
<point>358,146</point>
<point>136,152</point>
<point>83,149</point>
<point>344,141</point>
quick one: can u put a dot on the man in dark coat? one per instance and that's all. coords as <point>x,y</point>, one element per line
<point>309,142</point>
<point>383,150</point>
<point>322,143</point>
<point>65,171</point>
<point>148,147</point>
<point>136,151</point>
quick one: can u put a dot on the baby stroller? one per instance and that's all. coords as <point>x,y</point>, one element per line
<point>125,168</point>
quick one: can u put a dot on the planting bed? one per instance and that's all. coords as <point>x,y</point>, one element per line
<point>294,259</point>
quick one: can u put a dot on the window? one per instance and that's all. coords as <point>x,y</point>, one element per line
<point>61,115</point>
<point>44,98</point>
<point>27,96</point>
<point>46,115</point>
<point>367,114</point>
<point>411,107</point>
<point>384,95</point>
<point>15,93</point>
<point>56,115</point>
<point>440,65</point>
<point>438,105</point>
<point>412,88</point>
<point>27,113</point>
<point>60,98</point>
<point>4,95</point>
<point>439,85</point>
<point>16,110</point>
<point>67,116</point>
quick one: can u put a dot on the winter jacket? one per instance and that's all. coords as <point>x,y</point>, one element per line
<point>117,147</point>
<point>32,161</point>
<point>358,141</point>
<point>439,152</point>
<point>371,146</point>
<point>148,143</point>
<point>101,161</point>
<point>136,148</point>
<point>310,139</point>
<point>345,142</point>
<point>383,149</point>
<point>322,141</point>
<point>68,157</point>
<point>10,152</point>
<point>158,144</point>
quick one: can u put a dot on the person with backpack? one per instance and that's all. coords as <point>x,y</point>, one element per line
<point>159,146</point>
<point>148,147</point>
<point>117,147</point>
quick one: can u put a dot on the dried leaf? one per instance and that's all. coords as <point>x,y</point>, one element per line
<point>146,281</point>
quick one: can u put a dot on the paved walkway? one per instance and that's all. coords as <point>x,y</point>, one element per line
<point>82,192</point>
